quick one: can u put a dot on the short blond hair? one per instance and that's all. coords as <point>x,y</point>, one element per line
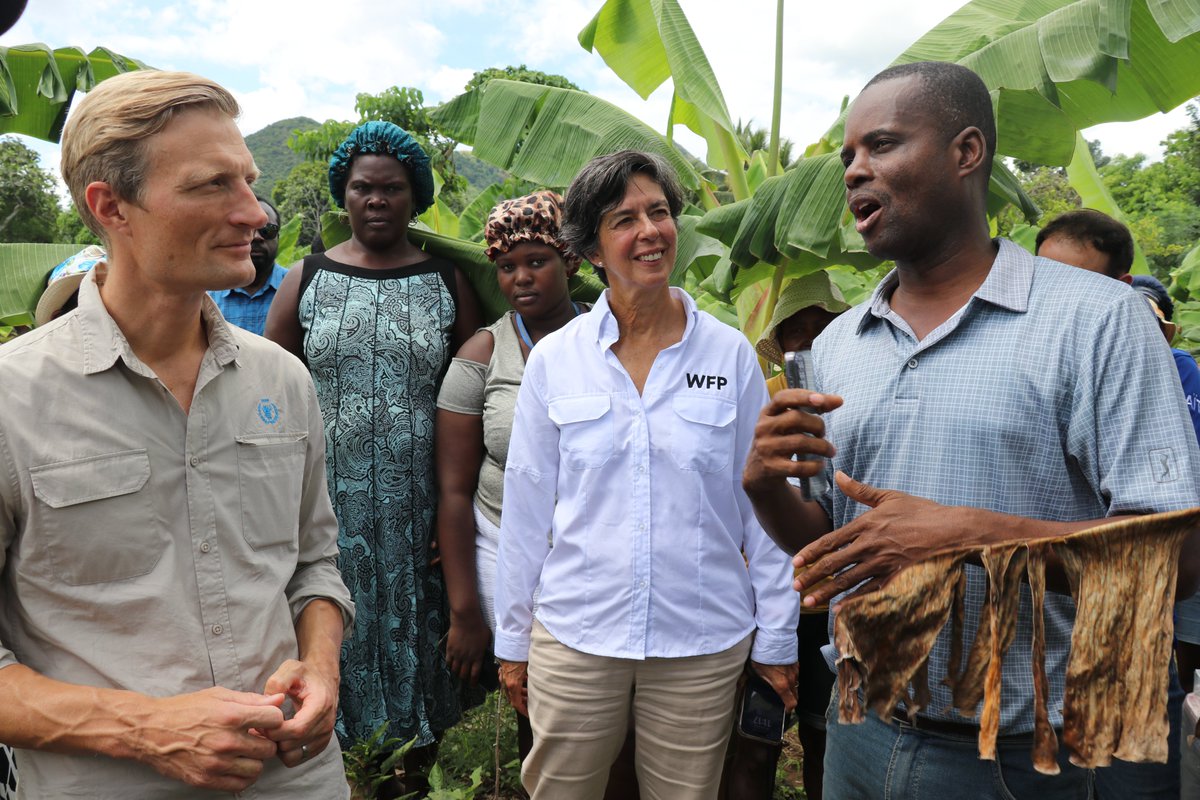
<point>104,137</point>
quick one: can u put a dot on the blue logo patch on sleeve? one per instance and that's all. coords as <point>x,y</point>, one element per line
<point>268,412</point>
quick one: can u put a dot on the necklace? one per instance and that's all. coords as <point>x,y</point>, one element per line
<point>524,332</point>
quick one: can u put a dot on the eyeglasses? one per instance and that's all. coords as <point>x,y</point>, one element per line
<point>269,231</point>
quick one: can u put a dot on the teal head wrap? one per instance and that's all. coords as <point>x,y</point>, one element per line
<point>382,138</point>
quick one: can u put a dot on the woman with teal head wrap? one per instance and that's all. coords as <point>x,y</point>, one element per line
<point>383,138</point>
<point>377,320</point>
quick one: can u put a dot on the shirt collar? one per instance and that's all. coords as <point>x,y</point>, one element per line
<point>1007,285</point>
<point>605,322</point>
<point>276,277</point>
<point>104,343</point>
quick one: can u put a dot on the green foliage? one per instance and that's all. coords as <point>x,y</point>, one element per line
<point>28,205</point>
<point>479,173</point>
<point>292,247</point>
<point>304,193</point>
<point>271,153</point>
<point>521,73</point>
<point>1048,187</point>
<point>438,790</point>
<point>1161,201</point>
<point>70,229</point>
<point>486,736</point>
<point>37,84</point>
<point>371,761</point>
<point>23,271</point>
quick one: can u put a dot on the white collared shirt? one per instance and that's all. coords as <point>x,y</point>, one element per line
<point>642,498</point>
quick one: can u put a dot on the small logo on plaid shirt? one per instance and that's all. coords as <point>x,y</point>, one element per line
<point>1162,465</point>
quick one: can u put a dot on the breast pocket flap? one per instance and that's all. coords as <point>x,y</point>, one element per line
<point>705,410</point>
<point>583,408</point>
<point>83,480</point>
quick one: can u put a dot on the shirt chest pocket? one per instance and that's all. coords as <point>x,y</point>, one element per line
<point>585,430</point>
<point>702,433</point>
<point>270,479</point>
<point>95,518</point>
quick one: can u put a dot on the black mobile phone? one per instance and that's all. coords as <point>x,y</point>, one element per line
<point>762,715</point>
<point>797,369</point>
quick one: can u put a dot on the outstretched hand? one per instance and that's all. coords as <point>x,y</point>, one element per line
<point>900,529</point>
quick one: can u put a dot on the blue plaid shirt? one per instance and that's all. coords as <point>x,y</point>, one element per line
<point>249,312</point>
<point>1051,395</point>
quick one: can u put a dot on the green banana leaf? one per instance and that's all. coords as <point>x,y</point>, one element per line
<point>37,84</point>
<point>1086,180</point>
<point>645,42</point>
<point>1093,61</point>
<point>23,271</point>
<point>473,219</point>
<point>545,135</point>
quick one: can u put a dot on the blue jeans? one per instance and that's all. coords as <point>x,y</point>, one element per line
<point>876,760</point>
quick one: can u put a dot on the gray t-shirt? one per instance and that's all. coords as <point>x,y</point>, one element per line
<point>489,390</point>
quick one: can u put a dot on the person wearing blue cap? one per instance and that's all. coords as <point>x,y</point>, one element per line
<point>377,320</point>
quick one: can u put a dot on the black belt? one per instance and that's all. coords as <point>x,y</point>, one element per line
<point>942,727</point>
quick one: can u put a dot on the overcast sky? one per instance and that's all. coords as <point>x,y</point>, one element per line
<point>303,58</point>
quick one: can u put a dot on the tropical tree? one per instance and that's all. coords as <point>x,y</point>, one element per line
<point>522,74</point>
<point>28,205</point>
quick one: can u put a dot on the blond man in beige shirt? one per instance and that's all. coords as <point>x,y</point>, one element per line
<point>172,611</point>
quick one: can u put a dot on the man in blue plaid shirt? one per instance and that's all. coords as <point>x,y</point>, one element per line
<point>981,395</point>
<point>247,307</point>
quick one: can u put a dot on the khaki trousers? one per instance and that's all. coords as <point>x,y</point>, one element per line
<point>580,704</point>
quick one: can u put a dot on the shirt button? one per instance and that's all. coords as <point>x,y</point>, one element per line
<point>217,630</point>
<point>205,547</point>
<point>645,584</point>
<point>194,461</point>
<point>912,363</point>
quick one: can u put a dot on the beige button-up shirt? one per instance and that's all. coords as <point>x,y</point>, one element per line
<point>149,550</point>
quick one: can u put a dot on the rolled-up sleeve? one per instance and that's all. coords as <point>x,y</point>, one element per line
<point>317,575</point>
<point>776,604</point>
<point>530,483</point>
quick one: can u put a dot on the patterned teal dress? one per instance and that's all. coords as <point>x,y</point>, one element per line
<point>377,343</point>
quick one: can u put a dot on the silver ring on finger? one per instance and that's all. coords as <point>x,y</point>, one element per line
<point>303,752</point>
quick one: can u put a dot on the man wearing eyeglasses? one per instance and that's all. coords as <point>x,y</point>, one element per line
<point>247,306</point>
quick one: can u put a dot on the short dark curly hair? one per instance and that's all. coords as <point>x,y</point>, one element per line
<point>599,188</point>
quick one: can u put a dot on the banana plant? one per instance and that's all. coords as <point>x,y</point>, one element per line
<point>38,84</point>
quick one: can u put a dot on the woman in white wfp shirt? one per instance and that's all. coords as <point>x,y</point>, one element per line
<point>624,510</point>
